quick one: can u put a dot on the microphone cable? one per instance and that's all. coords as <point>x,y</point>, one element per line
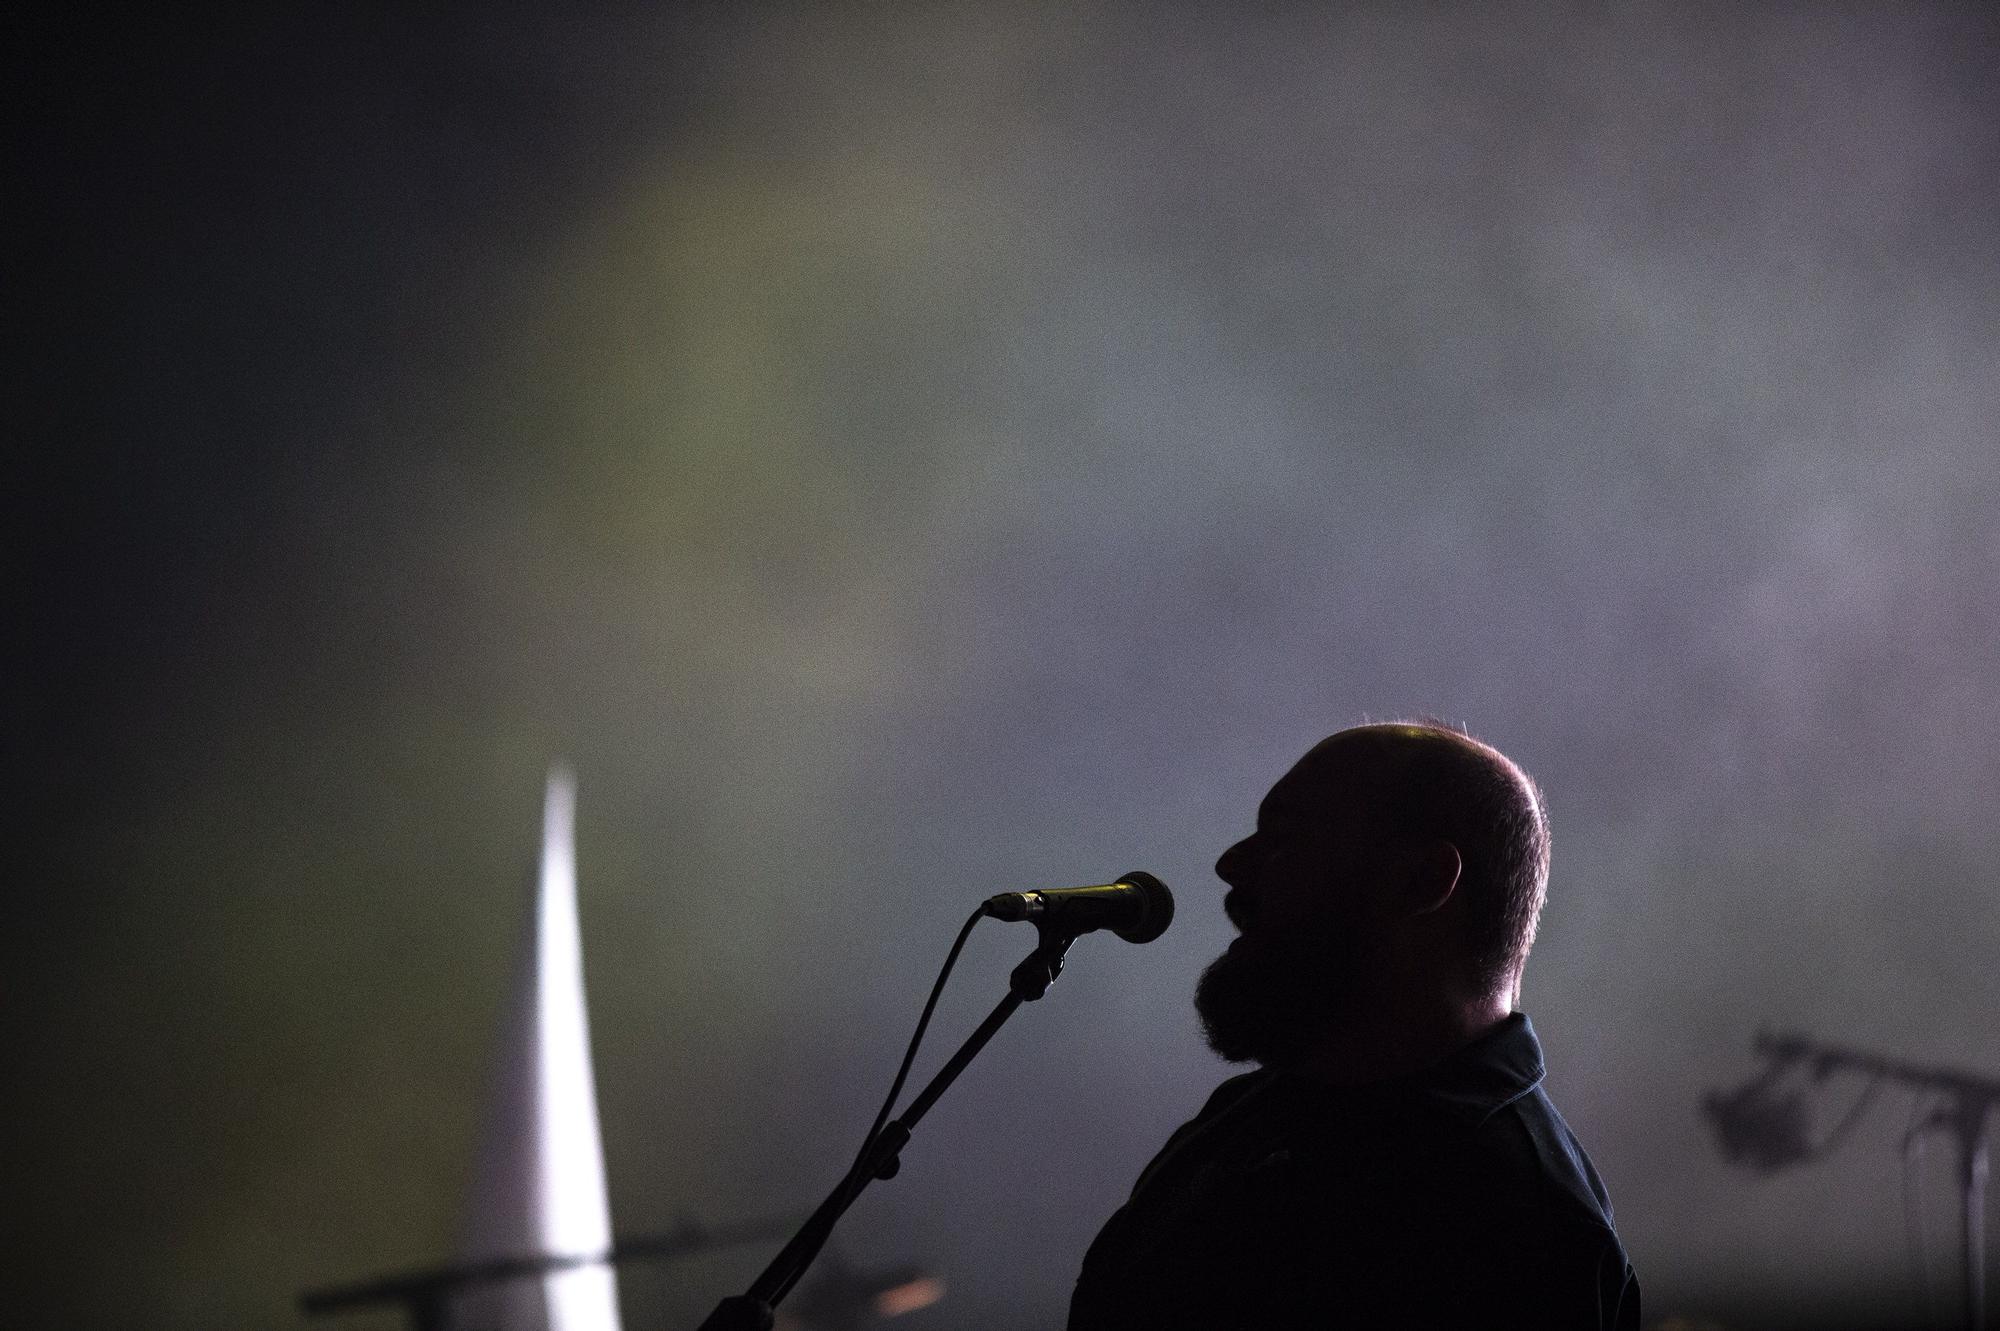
<point>917,1037</point>
<point>857,1173</point>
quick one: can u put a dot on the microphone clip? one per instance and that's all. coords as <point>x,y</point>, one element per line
<point>1039,969</point>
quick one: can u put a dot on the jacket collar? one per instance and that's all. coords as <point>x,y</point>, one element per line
<point>1487,1075</point>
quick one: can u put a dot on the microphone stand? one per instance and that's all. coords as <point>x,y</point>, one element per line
<point>755,1310</point>
<point>1971,1100</point>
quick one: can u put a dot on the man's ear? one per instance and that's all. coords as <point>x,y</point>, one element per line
<point>1433,872</point>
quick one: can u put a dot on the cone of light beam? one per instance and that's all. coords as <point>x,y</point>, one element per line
<point>538,1185</point>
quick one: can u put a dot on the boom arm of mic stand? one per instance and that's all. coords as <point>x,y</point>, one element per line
<point>1973,1099</point>
<point>754,1310</point>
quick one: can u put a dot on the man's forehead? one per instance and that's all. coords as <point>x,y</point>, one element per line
<point>1335,769</point>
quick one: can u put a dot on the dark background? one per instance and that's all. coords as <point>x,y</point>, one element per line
<point>899,453</point>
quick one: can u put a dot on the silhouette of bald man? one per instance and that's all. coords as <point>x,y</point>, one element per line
<point>1393,1162</point>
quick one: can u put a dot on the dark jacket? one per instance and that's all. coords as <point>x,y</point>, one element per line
<point>1456,1198</point>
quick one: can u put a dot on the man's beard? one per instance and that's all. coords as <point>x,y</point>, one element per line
<point>1268,1003</point>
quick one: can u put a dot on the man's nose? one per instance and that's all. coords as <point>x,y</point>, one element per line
<point>1229,866</point>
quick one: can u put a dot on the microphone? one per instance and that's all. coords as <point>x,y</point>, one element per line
<point>1138,907</point>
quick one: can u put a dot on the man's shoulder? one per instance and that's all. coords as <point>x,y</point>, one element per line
<point>1517,1170</point>
<point>1223,1099</point>
<point>1532,1141</point>
<point>1233,1090</point>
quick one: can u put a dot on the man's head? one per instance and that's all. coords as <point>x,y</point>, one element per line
<point>1405,859</point>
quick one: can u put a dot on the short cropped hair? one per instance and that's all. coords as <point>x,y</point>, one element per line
<point>1442,782</point>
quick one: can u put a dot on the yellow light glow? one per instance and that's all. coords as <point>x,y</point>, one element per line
<point>909,1296</point>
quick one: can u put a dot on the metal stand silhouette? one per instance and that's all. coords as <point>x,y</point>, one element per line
<point>754,1310</point>
<point>426,1294</point>
<point>1765,1131</point>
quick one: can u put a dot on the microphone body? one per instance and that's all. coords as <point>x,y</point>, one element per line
<point>1138,907</point>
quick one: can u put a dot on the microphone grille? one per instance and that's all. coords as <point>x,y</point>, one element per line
<point>1159,911</point>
